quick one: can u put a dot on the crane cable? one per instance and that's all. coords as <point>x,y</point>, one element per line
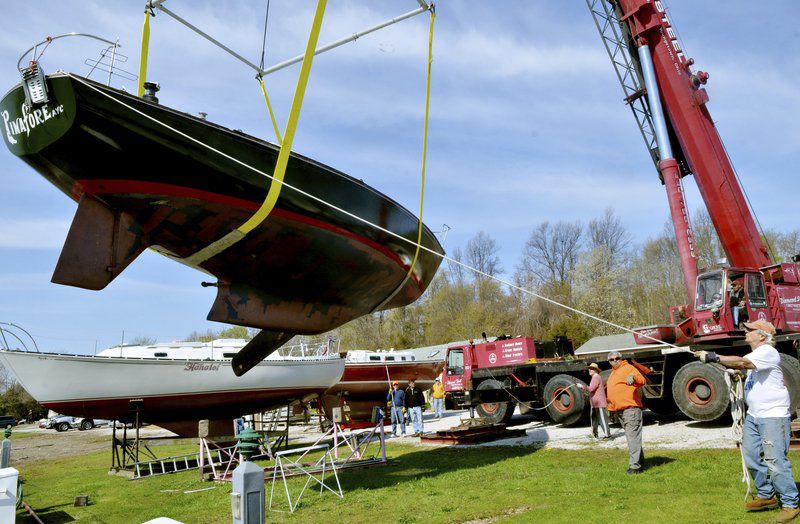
<point>410,272</point>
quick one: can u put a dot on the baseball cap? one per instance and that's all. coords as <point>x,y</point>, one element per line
<point>761,324</point>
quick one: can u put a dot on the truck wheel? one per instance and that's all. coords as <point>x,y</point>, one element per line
<point>86,424</point>
<point>700,391</point>
<point>62,427</point>
<point>565,402</point>
<point>791,377</point>
<point>495,412</point>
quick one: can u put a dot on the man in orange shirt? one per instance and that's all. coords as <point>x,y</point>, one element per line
<point>623,397</point>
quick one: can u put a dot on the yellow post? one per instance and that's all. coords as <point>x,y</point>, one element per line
<point>143,55</point>
<point>291,126</point>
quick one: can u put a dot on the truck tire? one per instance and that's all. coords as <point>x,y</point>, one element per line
<point>565,401</point>
<point>495,412</point>
<point>791,377</point>
<point>700,391</point>
<point>86,424</point>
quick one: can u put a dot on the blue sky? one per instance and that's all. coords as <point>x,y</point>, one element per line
<point>526,125</point>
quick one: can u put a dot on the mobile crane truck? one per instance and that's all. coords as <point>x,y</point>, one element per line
<point>669,103</point>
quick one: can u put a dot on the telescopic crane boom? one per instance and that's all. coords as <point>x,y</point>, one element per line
<point>670,102</point>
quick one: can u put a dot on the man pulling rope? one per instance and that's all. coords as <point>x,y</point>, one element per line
<point>767,425</point>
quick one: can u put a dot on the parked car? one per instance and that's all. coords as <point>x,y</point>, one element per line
<point>89,423</point>
<point>62,423</point>
<point>6,421</point>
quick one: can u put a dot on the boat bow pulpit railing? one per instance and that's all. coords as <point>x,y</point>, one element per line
<point>33,78</point>
<point>13,332</point>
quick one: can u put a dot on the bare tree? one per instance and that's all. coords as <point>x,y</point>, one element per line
<point>608,233</point>
<point>143,341</point>
<point>482,254</point>
<point>551,252</point>
<point>456,270</point>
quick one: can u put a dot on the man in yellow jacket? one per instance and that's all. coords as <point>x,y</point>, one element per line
<point>623,397</point>
<point>438,398</point>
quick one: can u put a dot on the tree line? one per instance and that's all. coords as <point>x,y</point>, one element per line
<point>593,267</point>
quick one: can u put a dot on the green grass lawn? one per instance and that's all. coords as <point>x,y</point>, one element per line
<point>517,484</point>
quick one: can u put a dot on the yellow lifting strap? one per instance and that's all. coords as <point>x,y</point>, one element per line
<point>143,55</point>
<point>291,126</point>
<point>275,187</point>
<point>424,162</point>
<point>269,108</point>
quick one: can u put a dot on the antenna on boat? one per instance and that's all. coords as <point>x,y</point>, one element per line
<point>109,57</point>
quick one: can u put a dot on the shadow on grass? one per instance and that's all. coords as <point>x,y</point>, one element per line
<point>654,462</point>
<point>50,514</point>
<point>428,463</point>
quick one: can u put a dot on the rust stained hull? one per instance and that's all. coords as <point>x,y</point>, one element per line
<point>307,268</point>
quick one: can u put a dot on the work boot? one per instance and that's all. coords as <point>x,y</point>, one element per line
<point>759,504</point>
<point>632,471</point>
<point>788,514</point>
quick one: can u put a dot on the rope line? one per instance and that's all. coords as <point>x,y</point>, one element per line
<point>735,384</point>
<point>322,201</point>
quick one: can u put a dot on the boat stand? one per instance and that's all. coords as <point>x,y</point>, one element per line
<point>288,466</point>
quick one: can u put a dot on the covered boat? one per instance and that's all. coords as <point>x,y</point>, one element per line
<point>147,176</point>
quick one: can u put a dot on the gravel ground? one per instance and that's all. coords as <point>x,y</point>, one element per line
<point>657,433</point>
<point>32,443</point>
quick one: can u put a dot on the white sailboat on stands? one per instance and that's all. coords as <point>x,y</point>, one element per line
<point>173,385</point>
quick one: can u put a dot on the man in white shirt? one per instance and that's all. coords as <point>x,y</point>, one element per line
<point>765,441</point>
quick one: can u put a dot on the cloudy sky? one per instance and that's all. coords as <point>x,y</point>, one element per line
<point>526,125</point>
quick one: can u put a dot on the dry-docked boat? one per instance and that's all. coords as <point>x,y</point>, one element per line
<point>368,376</point>
<point>147,176</point>
<point>173,385</point>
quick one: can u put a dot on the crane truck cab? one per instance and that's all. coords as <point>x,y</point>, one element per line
<point>717,301</point>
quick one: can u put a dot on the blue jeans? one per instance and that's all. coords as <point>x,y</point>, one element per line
<point>735,310</point>
<point>438,407</point>
<point>398,418</point>
<point>416,418</point>
<point>765,443</point>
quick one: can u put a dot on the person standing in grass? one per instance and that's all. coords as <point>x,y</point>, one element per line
<point>623,397</point>
<point>415,400</point>
<point>438,398</point>
<point>767,425</point>
<point>597,400</point>
<point>397,397</point>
